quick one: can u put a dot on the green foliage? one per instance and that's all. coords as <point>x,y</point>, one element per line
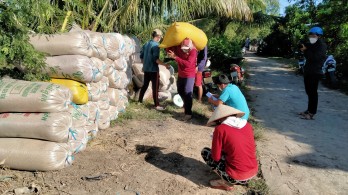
<point>223,52</point>
<point>15,49</point>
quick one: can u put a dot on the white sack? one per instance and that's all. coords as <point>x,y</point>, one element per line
<point>46,126</point>
<point>79,114</point>
<point>104,121</point>
<point>114,45</point>
<point>75,67</point>
<point>25,96</point>
<point>34,155</point>
<point>94,91</point>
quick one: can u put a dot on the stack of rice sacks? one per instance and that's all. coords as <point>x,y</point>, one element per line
<point>36,128</point>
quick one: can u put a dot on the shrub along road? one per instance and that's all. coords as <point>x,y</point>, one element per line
<point>298,156</point>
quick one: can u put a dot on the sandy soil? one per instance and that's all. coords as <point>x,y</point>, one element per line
<point>299,156</point>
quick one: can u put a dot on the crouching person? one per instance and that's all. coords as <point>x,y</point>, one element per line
<point>233,152</point>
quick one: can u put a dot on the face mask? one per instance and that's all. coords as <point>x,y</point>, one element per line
<point>313,40</point>
<point>185,50</point>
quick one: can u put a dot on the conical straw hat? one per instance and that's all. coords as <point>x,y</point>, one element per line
<point>223,111</point>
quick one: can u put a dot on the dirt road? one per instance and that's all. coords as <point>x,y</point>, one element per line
<point>299,156</point>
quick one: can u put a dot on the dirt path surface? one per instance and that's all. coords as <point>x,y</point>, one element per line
<point>138,157</point>
<point>299,156</point>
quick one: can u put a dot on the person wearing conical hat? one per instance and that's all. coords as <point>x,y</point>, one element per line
<point>233,152</point>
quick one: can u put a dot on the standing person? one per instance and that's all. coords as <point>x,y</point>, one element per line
<point>230,95</point>
<point>149,55</point>
<point>233,152</point>
<point>186,57</point>
<point>315,54</point>
<point>247,43</point>
<point>202,58</point>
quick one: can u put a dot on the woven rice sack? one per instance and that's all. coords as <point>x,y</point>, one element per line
<point>104,84</point>
<point>94,112</point>
<point>79,90</point>
<point>94,91</point>
<point>124,80</point>
<point>72,43</point>
<point>113,112</point>
<point>122,104</point>
<point>34,155</point>
<point>98,44</point>
<point>121,64</point>
<point>104,121</point>
<point>114,45</point>
<point>165,95</point>
<point>147,95</point>
<point>99,64</point>
<point>46,126</point>
<point>25,96</point>
<point>178,31</point>
<point>79,114</point>
<point>115,79</point>
<point>79,141</point>
<point>104,102</point>
<point>137,44</point>
<point>135,58</point>
<point>92,130</point>
<point>137,81</point>
<point>114,96</point>
<point>75,67</point>
<point>137,68</point>
<point>164,75</point>
<point>108,67</point>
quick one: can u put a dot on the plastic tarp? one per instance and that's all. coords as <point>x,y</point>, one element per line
<point>25,96</point>
<point>34,155</point>
<point>53,127</point>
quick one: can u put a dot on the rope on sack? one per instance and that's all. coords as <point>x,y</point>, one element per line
<point>70,158</point>
<point>73,133</point>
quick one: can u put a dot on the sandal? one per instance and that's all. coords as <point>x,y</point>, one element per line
<point>303,113</point>
<point>308,116</point>
<point>220,184</point>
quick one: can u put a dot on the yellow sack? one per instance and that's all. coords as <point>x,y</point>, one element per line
<point>79,90</point>
<point>178,31</point>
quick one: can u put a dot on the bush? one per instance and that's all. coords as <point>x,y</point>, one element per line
<point>223,52</point>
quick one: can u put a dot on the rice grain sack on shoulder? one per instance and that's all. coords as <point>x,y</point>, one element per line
<point>178,31</point>
<point>26,96</point>
<point>45,126</point>
<point>71,43</point>
<point>34,155</point>
<point>75,67</point>
<point>79,90</point>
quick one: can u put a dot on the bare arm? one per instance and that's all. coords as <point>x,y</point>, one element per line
<point>215,102</point>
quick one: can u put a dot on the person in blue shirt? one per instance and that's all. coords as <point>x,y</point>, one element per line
<point>230,95</point>
<point>149,56</point>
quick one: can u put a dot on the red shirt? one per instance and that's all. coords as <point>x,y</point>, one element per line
<point>239,148</point>
<point>186,62</point>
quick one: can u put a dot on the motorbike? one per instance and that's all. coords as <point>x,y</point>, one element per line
<point>331,75</point>
<point>237,74</point>
<point>208,84</point>
<point>301,61</point>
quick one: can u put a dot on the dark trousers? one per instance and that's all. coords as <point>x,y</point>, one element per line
<point>219,167</point>
<point>154,78</point>
<point>311,82</point>
<point>185,90</point>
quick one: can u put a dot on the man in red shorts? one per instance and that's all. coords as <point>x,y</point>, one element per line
<point>201,62</point>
